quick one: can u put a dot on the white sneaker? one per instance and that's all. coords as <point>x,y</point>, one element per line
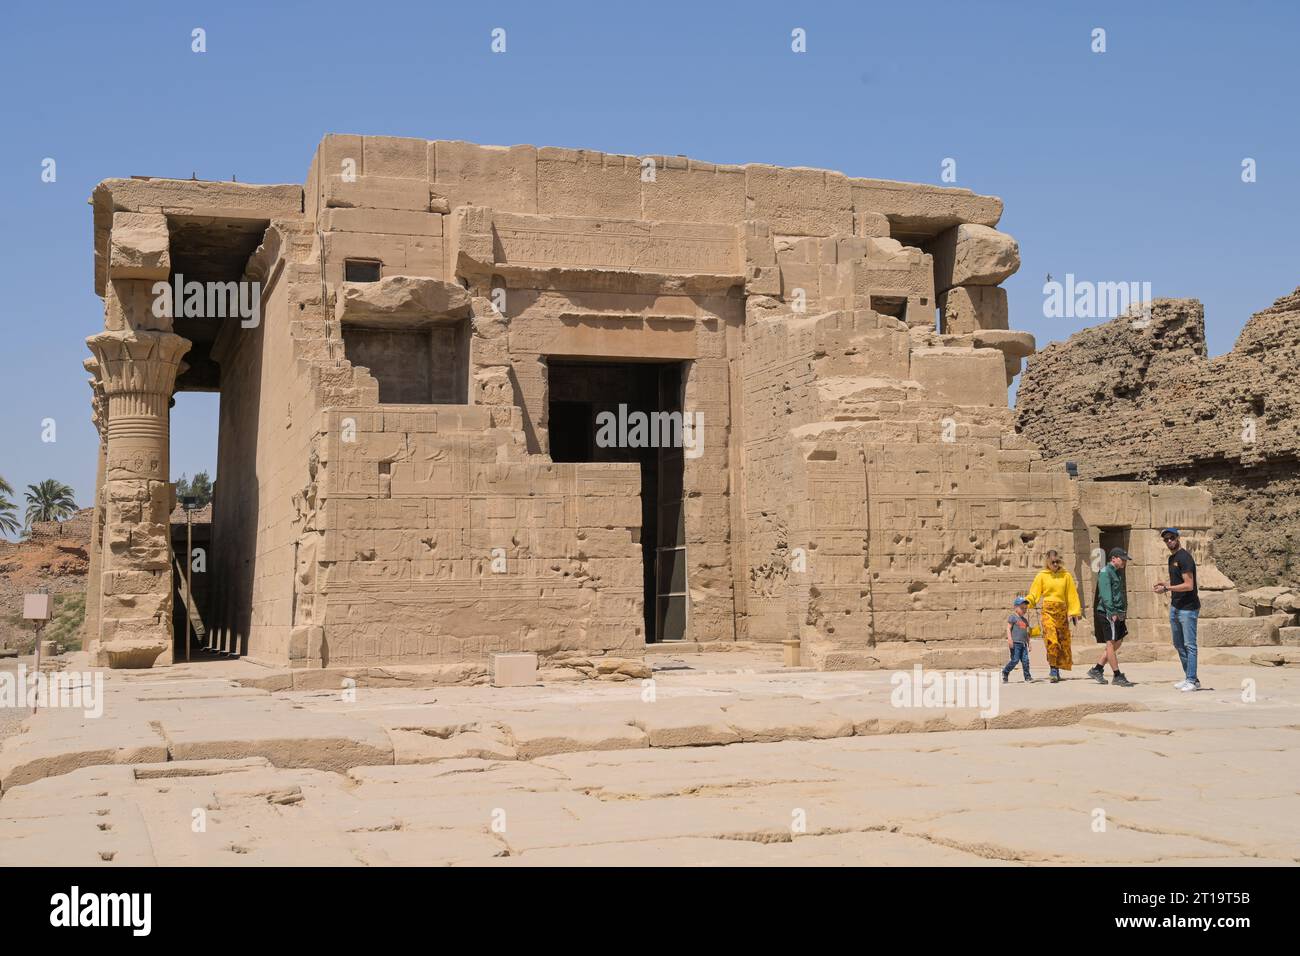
<point>1181,685</point>
<point>1189,686</point>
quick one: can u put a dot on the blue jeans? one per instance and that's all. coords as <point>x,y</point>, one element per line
<point>1019,653</point>
<point>1182,625</point>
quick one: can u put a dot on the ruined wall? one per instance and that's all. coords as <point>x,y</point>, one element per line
<point>1138,398</point>
<point>614,290</point>
<point>795,299</point>
<point>563,254</point>
<point>857,484</point>
<point>437,548</point>
<point>137,359</point>
<point>434,533</point>
<point>888,523</point>
<point>890,510</point>
<point>1130,515</point>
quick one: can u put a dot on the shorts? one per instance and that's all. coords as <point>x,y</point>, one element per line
<point>1107,630</point>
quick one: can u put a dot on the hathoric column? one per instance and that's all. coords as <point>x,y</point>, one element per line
<point>137,371</point>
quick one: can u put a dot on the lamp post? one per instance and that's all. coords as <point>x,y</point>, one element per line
<point>189,503</point>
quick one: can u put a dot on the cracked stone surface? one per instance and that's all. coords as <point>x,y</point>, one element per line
<point>721,766</point>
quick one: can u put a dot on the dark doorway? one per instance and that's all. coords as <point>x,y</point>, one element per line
<point>1108,538</point>
<point>584,395</point>
<point>1113,538</point>
<point>186,603</point>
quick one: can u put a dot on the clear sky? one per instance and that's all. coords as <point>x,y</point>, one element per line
<point>1117,166</point>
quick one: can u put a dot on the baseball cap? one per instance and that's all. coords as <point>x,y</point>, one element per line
<point>1019,601</point>
<point>1170,531</point>
<point>1120,553</point>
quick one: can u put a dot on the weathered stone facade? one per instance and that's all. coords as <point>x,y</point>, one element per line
<point>1140,400</point>
<point>406,467</point>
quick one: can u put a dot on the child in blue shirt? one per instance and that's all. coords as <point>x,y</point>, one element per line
<point>1018,640</point>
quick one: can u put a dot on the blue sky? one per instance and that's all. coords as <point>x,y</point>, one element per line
<point>1119,166</point>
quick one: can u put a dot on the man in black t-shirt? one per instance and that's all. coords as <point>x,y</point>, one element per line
<point>1184,606</point>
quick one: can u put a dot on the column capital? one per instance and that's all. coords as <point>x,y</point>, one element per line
<point>137,361</point>
<point>98,399</point>
<point>136,370</point>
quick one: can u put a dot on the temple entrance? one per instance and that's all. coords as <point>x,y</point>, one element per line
<point>193,425</point>
<point>585,398</point>
<point>214,428</point>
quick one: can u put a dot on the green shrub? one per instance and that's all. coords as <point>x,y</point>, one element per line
<point>63,628</point>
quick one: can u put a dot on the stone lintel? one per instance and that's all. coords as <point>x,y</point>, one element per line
<point>184,197</point>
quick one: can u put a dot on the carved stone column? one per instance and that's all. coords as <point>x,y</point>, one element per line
<point>98,416</point>
<point>137,371</point>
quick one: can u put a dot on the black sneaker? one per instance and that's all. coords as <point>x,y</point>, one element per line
<point>1028,679</point>
<point>1006,679</point>
<point>1119,680</point>
<point>1097,673</point>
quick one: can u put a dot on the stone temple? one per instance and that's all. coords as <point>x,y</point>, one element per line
<point>419,354</point>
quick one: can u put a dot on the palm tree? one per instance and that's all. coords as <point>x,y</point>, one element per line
<point>51,500</point>
<point>8,510</point>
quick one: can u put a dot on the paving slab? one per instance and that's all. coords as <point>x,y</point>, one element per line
<point>57,742</point>
<point>754,769</point>
<point>786,718</point>
<point>1035,834</point>
<point>537,735</point>
<point>411,746</point>
<point>316,741</point>
<point>687,723</point>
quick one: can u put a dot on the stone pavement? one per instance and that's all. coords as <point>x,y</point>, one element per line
<point>11,718</point>
<point>722,759</point>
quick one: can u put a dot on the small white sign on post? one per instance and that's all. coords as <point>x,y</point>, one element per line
<point>37,607</point>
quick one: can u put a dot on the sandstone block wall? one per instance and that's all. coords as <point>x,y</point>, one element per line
<point>1140,399</point>
<point>553,258</point>
<point>886,520</point>
<point>1131,514</point>
<point>265,444</point>
<point>387,486</point>
<point>433,547</point>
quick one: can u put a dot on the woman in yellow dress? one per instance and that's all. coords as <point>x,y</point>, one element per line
<point>1054,588</point>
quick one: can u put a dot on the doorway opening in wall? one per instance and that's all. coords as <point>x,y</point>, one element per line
<point>1112,537</point>
<point>1116,537</point>
<point>214,422</point>
<point>579,391</point>
<point>194,424</point>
